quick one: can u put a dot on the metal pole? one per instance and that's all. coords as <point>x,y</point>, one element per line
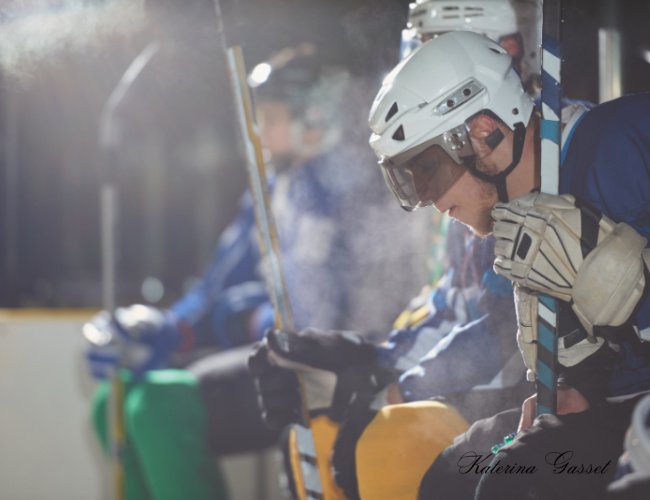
<point>610,49</point>
<point>12,178</point>
<point>109,143</point>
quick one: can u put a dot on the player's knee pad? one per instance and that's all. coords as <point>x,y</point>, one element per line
<point>399,445</point>
<point>163,400</point>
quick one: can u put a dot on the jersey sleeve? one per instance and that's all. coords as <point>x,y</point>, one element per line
<point>608,165</point>
<point>472,354</point>
<point>215,309</point>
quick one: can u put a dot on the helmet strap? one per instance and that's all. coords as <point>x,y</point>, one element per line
<point>499,180</point>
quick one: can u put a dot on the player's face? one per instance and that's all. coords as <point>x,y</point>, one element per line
<point>275,121</point>
<point>470,201</point>
<point>451,187</point>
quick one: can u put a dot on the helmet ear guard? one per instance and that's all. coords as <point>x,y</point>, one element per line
<point>494,139</point>
<point>499,180</point>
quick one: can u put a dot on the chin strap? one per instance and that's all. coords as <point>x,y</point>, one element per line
<point>499,180</point>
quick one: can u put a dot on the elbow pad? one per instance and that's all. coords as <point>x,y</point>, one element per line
<point>611,280</point>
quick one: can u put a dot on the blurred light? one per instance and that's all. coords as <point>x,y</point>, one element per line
<point>152,289</point>
<point>645,54</point>
<point>260,74</point>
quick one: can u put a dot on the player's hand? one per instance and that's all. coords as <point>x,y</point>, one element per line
<point>337,369</point>
<point>569,400</point>
<point>138,337</point>
<point>570,251</point>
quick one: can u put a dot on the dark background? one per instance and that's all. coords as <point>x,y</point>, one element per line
<point>178,171</point>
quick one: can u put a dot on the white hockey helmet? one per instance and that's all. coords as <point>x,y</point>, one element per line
<point>515,24</point>
<point>427,18</point>
<point>420,115</point>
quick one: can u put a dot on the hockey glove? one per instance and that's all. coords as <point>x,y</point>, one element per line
<point>138,337</point>
<point>278,392</point>
<point>339,369</point>
<point>341,378</point>
<point>569,354</point>
<point>553,245</point>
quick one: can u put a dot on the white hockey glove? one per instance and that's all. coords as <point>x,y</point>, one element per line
<point>552,245</point>
<point>138,337</point>
<point>527,304</point>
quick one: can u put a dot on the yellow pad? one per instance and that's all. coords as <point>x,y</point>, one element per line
<point>400,444</point>
<point>324,433</point>
<point>417,311</point>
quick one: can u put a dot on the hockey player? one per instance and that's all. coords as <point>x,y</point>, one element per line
<point>510,24</point>
<point>175,419</point>
<point>178,420</point>
<point>467,145</point>
<point>482,354</point>
<point>505,22</point>
<point>213,397</point>
<point>470,302</point>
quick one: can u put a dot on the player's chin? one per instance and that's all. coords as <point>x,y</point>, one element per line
<point>481,224</point>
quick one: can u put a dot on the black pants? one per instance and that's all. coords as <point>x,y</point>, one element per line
<point>558,458</point>
<point>234,418</point>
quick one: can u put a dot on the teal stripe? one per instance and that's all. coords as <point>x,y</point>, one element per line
<point>549,302</point>
<point>546,337</point>
<point>545,375</point>
<point>550,129</point>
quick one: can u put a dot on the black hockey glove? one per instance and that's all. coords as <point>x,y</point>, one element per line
<point>278,393</point>
<point>341,378</point>
<point>339,370</point>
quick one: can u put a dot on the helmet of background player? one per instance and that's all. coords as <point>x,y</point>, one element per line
<point>419,119</point>
<point>297,97</point>
<point>513,24</point>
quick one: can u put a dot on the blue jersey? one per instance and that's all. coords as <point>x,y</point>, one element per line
<point>231,286</point>
<point>341,244</point>
<point>306,202</point>
<point>216,308</point>
<point>606,162</point>
<point>468,335</point>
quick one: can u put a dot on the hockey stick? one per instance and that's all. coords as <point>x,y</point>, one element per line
<point>314,465</point>
<point>548,310</point>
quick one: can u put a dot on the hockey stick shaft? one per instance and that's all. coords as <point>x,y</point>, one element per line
<point>548,317</point>
<point>313,468</point>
